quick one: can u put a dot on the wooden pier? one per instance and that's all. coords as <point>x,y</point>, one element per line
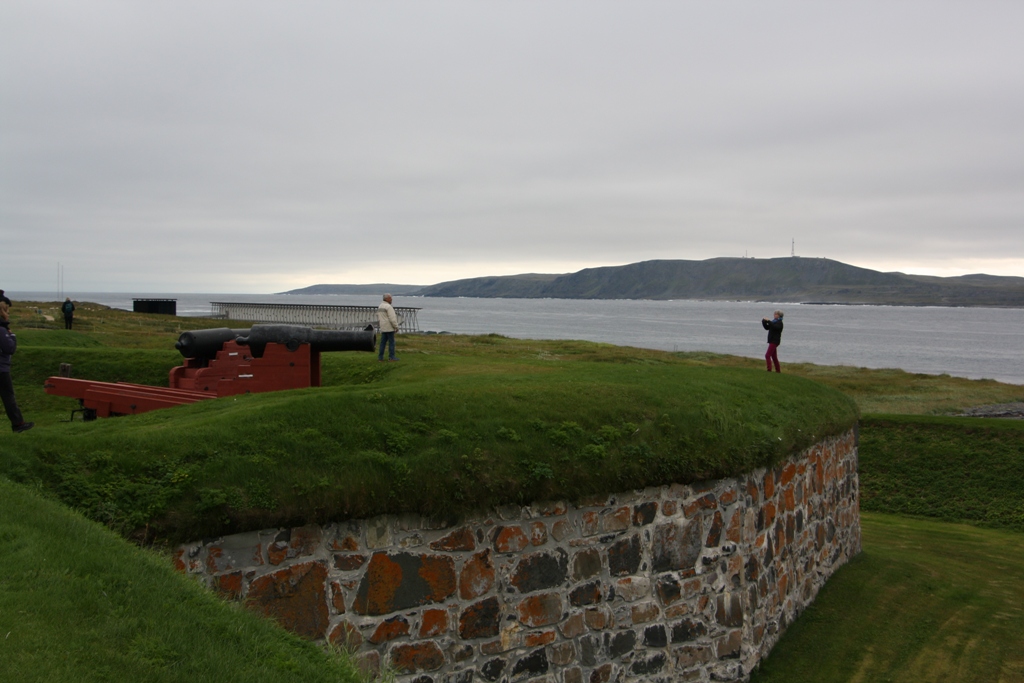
<point>313,315</point>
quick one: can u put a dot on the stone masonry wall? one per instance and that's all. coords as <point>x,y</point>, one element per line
<point>682,582</point>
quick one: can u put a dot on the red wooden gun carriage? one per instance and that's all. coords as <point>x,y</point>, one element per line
<point>220,362</point>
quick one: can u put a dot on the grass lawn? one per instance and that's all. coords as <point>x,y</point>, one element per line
<point>954,469</point>
<point>926,601</point>
<point>79,603</point>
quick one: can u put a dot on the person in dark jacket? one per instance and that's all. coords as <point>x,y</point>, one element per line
<point>774,327</point>
<point>68,309</point>
<point>8,345</point>
<point>3,297</point>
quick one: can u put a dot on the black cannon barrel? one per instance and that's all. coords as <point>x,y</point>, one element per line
<point>206,343</point>
<point>320,340</point>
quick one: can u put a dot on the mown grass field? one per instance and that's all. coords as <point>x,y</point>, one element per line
<point>928,600</point>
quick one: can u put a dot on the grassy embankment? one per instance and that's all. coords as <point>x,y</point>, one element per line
<point>462,423</point>
<point>926,601</point>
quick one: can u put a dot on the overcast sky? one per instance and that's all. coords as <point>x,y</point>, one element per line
<point>262,146</point>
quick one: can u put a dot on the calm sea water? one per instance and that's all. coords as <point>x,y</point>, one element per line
<point>966,342</point>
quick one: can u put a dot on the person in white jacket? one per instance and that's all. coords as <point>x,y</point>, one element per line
<point>388,328</point>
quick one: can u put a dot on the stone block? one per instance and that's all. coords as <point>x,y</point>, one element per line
<point>633,588</point>
<point>539,638</point>
<point>532,665</point>
<point>587,563</point>
<point>706,502</point>
<point>668,588</point>
<point>337,597</point>
<point>616,520</point>
<point>587,594</point>
<point>560,530</point>
<point>644,513</point>
<point>229,586</point>
<point>552,508</point>
<point>573,625</point>
<point>346,543</point>
<point>540,571</point>
<point>590,650</point>
<point>648,665</point>
<point>433,623</point>
<point>714,538</point>
<point>378,533</point>
<point>591,522</point>
<point>480,620</point>
<point>456,541</point>
<point>730,646</point>
<point>414,657</point>
<point>295,597</point>
<point>346,636</point>
<point>510,539</point>
<point>624,556</point>
<point>540,610</point>
<point>598,618</point>
<point>389,629</point>
<point>477,576</point>
<point>688,630</point>
<point>644,612</point>
<point>729,610</point>
<point>538,533</point>
<point>234,552</point>
<point>562,653</point>
<point>655,636</point>
<point>348,563</point>
<point>728,497</point>
<point>676,545</point>
<point>602,674</point>
<point>693,655</point>
<point>404,580</point>
<point>492,669</point>
<point>620,643</point>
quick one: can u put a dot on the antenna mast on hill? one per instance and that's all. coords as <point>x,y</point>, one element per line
<point>792,248</point>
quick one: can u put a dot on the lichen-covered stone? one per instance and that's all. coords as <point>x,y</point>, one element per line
<point>587,594</point>
<point>433,623</point>
<point>349,562</point>
<point>422,656</point>
<point>480,620</point>
<point>540,610</point>
<point>624,556</point>
<point>676,545</point>
<point>533,664</point>
<point>687,630</point>
<point>510,539</point>
<point>389,629</point>
<point>540,571</point>
<point>644,513</point>
<point>400,581</point>
<point>458,540</point>
<point>477,576</point>
<point>295,597</point>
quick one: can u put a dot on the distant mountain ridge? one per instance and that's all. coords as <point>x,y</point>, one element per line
<point>790,279</point>
<point>379,289</point>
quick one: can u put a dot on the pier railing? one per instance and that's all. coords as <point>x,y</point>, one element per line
<point>312,315</point>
